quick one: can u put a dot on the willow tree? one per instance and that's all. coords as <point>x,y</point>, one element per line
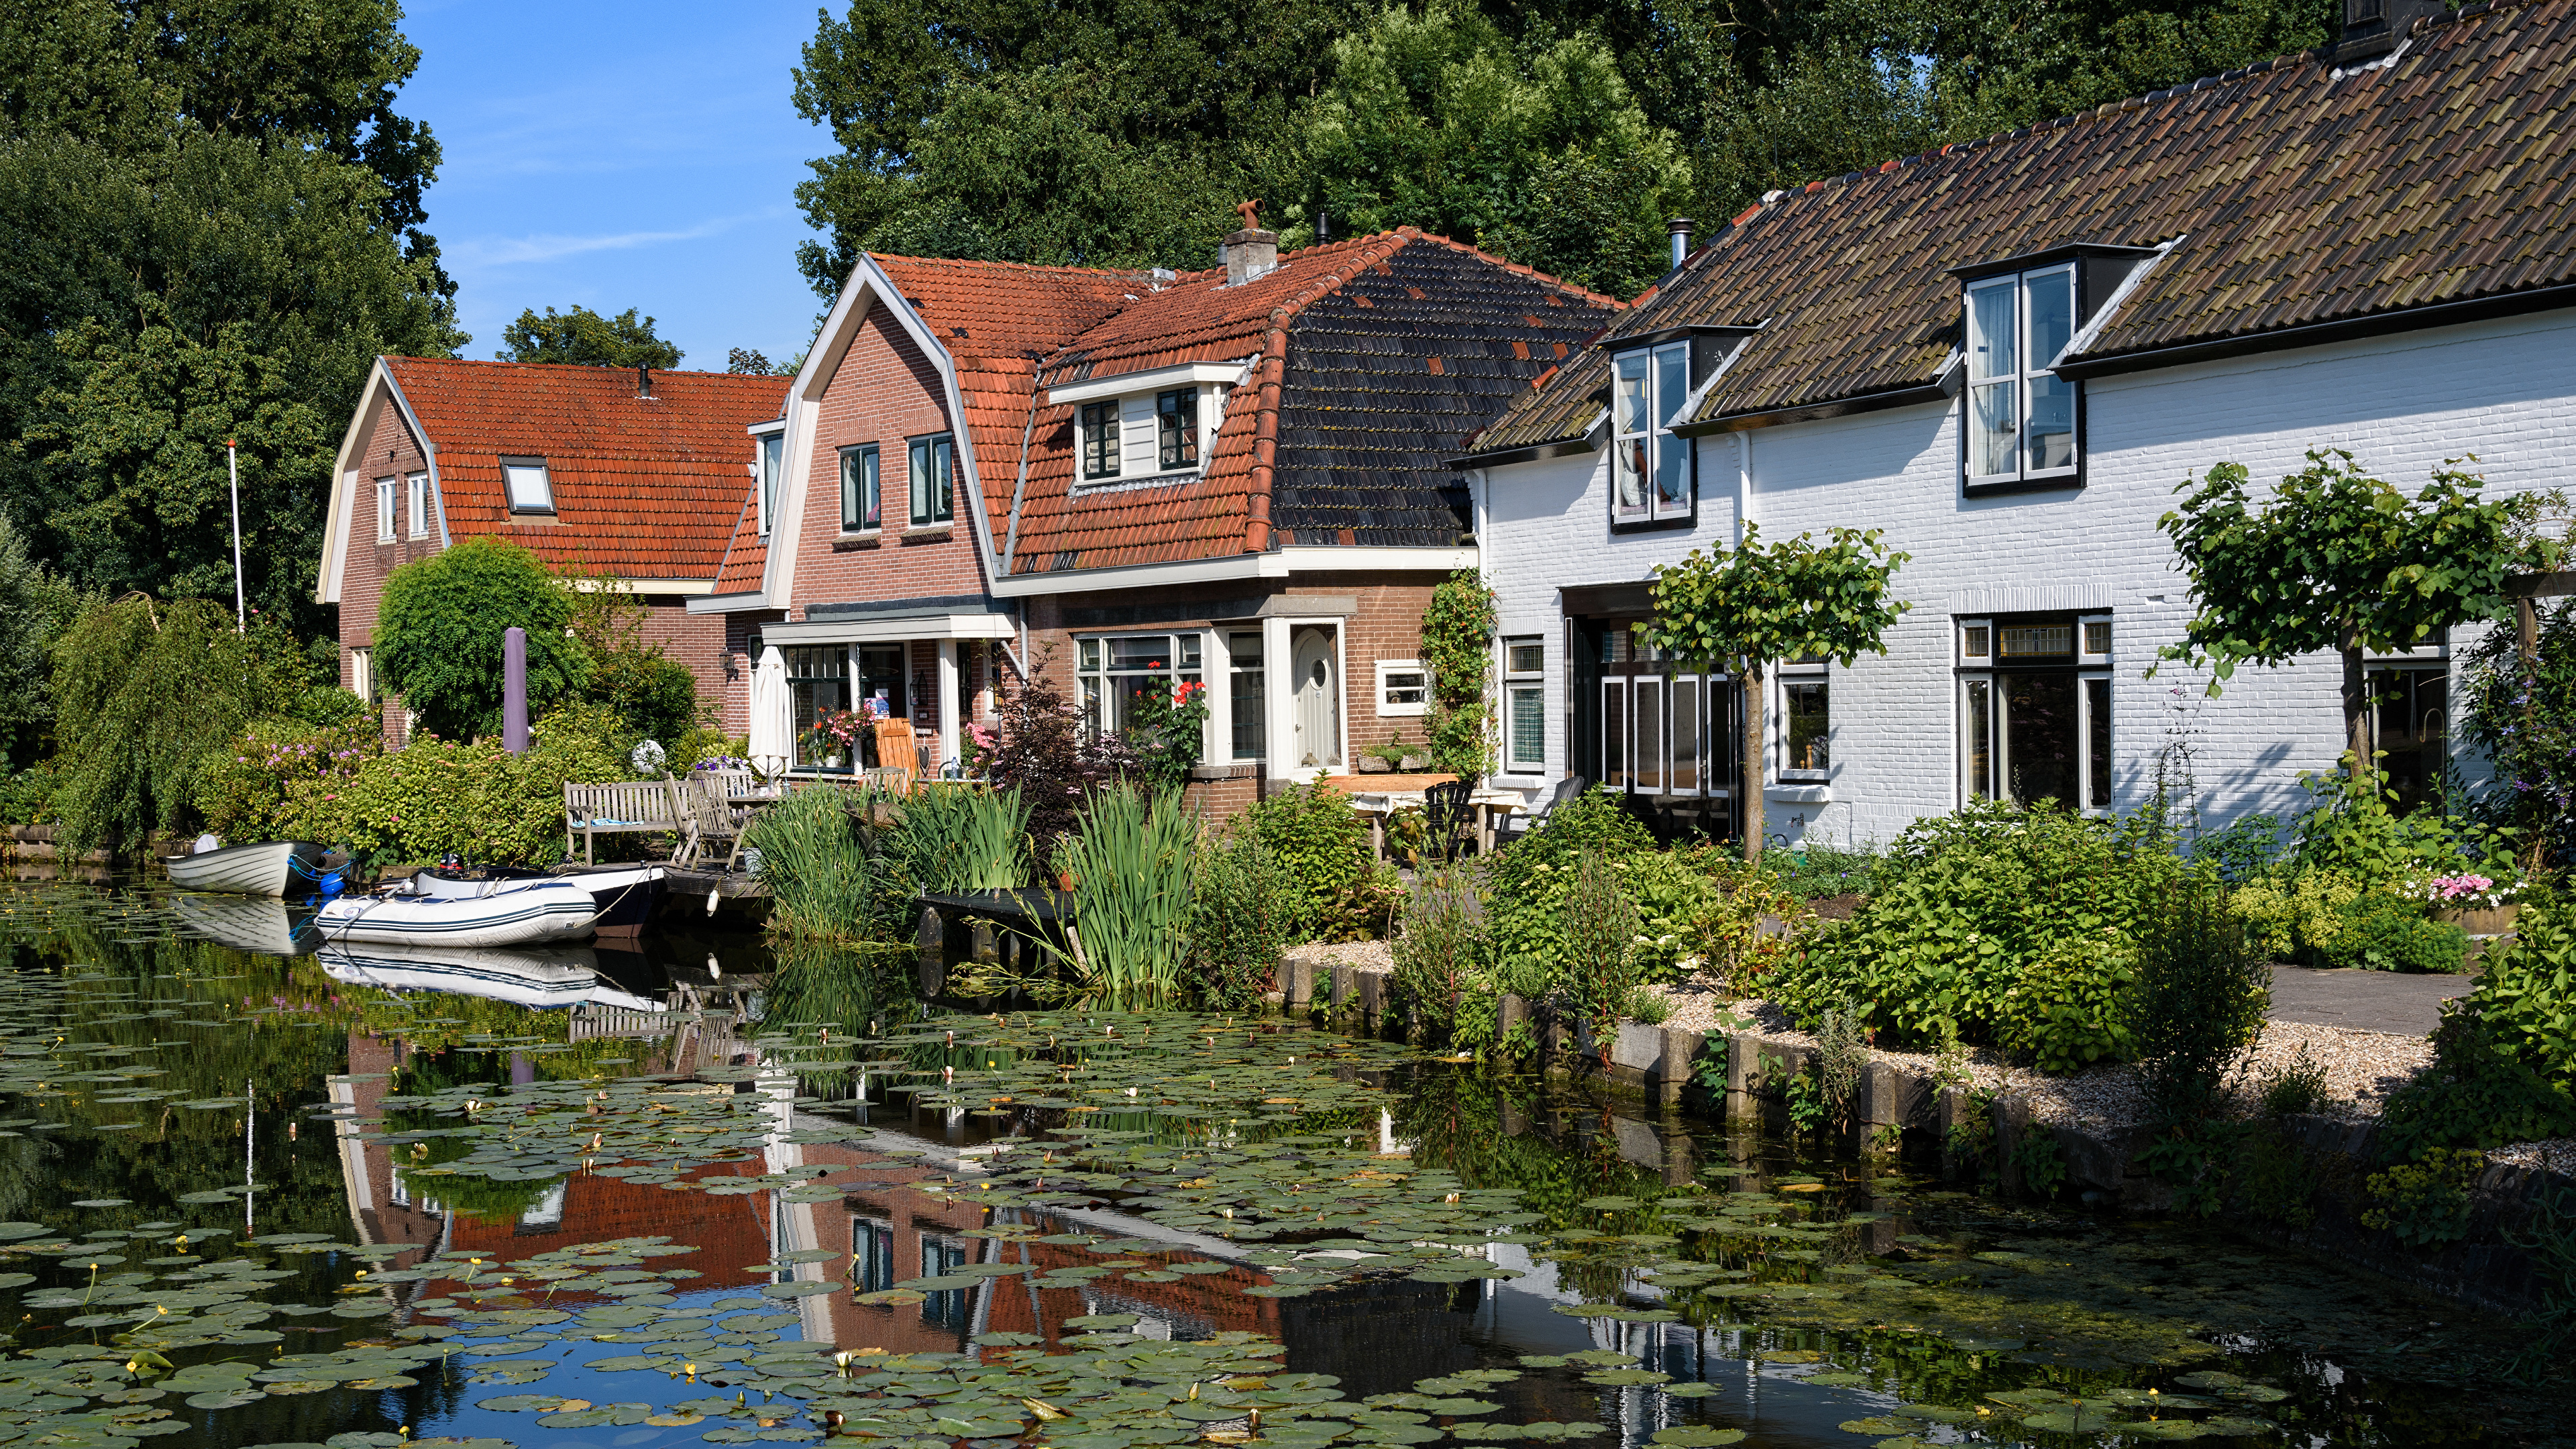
<point>1753,606</point>
<point>2335,559</point>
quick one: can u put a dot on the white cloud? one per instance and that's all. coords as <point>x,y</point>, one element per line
<point>473,252</point>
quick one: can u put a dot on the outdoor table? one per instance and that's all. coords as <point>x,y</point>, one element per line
<point>1379,796</point>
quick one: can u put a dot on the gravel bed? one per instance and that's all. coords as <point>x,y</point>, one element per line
<point>2557,1155</point>
<point>2361,1067</point>
<point>1358,955</point>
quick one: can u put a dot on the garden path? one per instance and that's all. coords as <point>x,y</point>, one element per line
<point>2364,1000</point>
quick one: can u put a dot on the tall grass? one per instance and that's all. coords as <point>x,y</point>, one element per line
<point>816,866</point>
<point>964,839</point>
<point>1131,899</point>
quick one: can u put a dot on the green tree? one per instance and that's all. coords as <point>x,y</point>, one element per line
<point>35,607</point>
<point>146,693</point>
<point>439,636</point>
<point>586,339</point>
<point>212,219</point>
<point>1534,150</point>
<point>1755,606</point>
<point>2335,559</point>
<point>1458,649</point>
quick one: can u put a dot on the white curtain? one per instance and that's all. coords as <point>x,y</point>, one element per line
<point>769,738</point>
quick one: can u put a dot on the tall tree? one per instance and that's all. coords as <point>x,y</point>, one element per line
<point>587,339</point>
<point>1751,607</point>
<point>212,219</point>
<point>2335,559</point>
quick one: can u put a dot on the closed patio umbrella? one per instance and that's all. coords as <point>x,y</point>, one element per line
<point>769,738</point>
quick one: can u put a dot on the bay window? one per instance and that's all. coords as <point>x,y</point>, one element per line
<point>2021,417</point>
<point>1651,473</point>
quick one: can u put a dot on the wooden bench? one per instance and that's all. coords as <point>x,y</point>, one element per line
<point>614,807</point>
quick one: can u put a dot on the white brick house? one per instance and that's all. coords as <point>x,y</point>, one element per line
<point>2377,259</point>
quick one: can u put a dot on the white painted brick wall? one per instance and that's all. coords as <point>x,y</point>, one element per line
<point>2504,391</point>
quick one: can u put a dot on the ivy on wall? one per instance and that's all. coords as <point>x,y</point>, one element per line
<point>1458,649</point>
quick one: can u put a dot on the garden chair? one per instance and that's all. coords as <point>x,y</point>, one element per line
<point>712,820</point>
<point>1571,787</point>
<point>1446,814</point>
<point>898,755</point>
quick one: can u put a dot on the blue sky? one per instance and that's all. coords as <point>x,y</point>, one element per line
<point>641,154</point>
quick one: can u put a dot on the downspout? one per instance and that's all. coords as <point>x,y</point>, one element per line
<point>1743,482</point>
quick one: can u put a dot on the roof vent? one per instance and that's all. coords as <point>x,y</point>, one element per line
<point>643,380</point>
<point>1163,277</point>
<point>1251,252</point>
<point>1680,227</point>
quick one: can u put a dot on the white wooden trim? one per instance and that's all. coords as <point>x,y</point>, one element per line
<point>1159,379</point>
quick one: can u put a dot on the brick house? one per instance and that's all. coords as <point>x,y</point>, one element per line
<point>631,474</point>
<point>2006,356</point>
<point>1135,479</point>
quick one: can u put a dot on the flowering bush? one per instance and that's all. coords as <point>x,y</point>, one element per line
<point>2468,892</point>
<point>648,757</point>
<point>1166,730</point>
<point>836,733</point>
<point>280,775</point>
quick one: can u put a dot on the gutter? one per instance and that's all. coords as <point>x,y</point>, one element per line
<point>1941,388</point>
<point>2317,334</point>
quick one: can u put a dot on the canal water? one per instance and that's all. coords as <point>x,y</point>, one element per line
<point>257,1194</point>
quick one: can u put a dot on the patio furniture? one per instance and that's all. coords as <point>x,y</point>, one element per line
<point>898,756</point>
<point>706,819</point>
<point>1572,787</point>
<point>615,807</point>
<point>1446,812</point>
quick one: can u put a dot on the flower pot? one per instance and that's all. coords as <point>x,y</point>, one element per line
<point>1066,880</point>
<point>2482,920</point>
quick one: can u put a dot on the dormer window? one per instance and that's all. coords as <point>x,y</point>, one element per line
<point>1650,467</point>
<point>773,464</point>
<point>2021,416</point>
<point>1176,427</point>
<point>1100,439</point>
<point>529,489</point>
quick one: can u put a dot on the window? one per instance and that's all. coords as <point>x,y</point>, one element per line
<point>1176,423</point>
<point>884,682</point>
<point>545,1215</point>
<point>1403,686</point>
<point>934,485</point>
<point>1806,727</point>
<point>1250,700</point>
<point>2021,417</point>
<point>385,510</point>
<point>1651,467</point>
<point>946,1307</point>
<point>1100,439</point>
<point>2409,713</point>
<point>861,509</point>
<point>773,462</point>
<point>2035,710</point>
<point>416,499</point>
<point>529,489</point>
<point>362,674</point>
<point>1120,670</point>
<point>872,1254</point>
<point>1524,704</point>
<point>818,683</point>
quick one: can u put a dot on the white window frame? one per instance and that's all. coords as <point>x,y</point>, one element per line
<point>1095,673</point>
<point>1224,717</point>
<point>1781,679</point>
<point>1646,458</point>
<point>362,672</point>
<point>1516,683</point>
<point>386,520</point>
<point>769,460</point>
<point>2019,381</point>
<point>1388,684</point>
<point>416,503</point>
<point>525,478</point>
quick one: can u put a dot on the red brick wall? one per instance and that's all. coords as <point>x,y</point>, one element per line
<point>391,451</point>
<point>884,392</point>
<point>696,640</point>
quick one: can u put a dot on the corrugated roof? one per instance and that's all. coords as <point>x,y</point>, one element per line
<point>644,487</point>
<point>2298,195</point>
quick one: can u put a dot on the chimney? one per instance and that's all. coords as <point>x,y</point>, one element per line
<point>1251,252</point>
<point>643,380</point>
<point>1680,227</point>
<point>2373,28</point>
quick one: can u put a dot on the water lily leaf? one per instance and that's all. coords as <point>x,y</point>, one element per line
<point>893,1298</point>
<point>801,1289</point>
<point>1696,1436</point>
<point>229,1398</point>
<point>1873,1425</point>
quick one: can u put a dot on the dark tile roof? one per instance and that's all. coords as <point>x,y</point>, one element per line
<point>2294,196</point>
<point>644,488</point>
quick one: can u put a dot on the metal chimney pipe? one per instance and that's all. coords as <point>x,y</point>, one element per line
<point>1680,227</point>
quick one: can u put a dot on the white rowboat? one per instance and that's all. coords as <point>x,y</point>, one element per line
<point>255,924</point>
<point>559,977</point>
<point>268,868</point>
<point>498,913</point>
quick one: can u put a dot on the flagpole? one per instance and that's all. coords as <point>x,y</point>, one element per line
<point>241,607</point>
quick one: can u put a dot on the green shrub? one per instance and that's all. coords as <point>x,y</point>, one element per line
<point>1532,879</point>
<point>2475,1094</point>
<point>1677,904</point>
<point>2065,1012</point>
<point>1818,872</point>
<point>281,776</point>
<point>27,796</point>
<point>2526,995</point>
<point>2199,1001</point>
<point>2350,829</point>
<point>1321,847</point>
<point>1968,905</point>
<point>2299,1086</point>
<point>439,636</point>
<point>2427,1201</point>
<point>1598,931</point>
<point>653,698</point>
<point>1238,923</point>
<point>2384,932</point>
<point>2295,916</point>
<point>2241,849</point>
<point>1440,950</point>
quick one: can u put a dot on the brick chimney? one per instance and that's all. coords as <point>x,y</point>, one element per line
<point>1251,252</point>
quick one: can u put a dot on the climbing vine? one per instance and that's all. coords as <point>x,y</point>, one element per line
<point>1458,649</point>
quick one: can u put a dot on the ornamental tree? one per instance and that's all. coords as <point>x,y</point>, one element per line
<point>2336,559</point>
<point>438,637</point>
<point>1753,606</point>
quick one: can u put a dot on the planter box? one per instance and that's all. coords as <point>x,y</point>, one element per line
<point>2490,921</point>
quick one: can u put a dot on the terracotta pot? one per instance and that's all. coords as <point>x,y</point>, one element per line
<point>1066,880</point>
<point>2485,921</point>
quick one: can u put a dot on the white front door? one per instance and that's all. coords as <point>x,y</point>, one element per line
<point>1318,712</point>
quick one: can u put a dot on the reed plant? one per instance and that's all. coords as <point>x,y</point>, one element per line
<point>955,839</point>
<point>1132,861</point>
<point>816,866</point>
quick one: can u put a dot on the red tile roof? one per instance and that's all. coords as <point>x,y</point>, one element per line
<point>645,488</point>
<point>2294,193</point>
